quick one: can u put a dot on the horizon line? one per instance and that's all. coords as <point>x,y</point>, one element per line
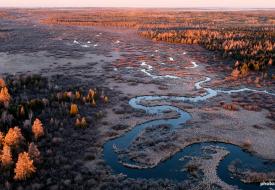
<point>137,7</point>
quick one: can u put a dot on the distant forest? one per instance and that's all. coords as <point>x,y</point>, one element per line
<point>246,37</point>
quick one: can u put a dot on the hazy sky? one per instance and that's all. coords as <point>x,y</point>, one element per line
<point>140,3</point>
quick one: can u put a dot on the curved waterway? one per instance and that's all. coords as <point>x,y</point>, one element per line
<point>172,168</point>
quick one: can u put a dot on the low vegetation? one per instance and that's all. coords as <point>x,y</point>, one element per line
<point>246,37</point>
<point>249,176</point>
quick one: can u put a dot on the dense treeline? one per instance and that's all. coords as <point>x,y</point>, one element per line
<point>252,50</point>
<point>247,37</point>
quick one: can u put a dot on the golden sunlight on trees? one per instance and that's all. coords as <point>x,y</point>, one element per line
<point>13,137</point>
<point>81,122</point>
<point>6,156</point>
<point>24,167</point>
<point>4,95</point>
<point>2,83</point>
<point>91,95</point>
<point>37,129</point>
<point>77,95</point>
<point>253,54</point>
<point>20,149</point>
<point>2,137</point>
<point>73,110</point>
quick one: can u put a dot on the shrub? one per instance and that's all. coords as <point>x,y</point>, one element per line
<point>6,156</point>
<point>235,73</point>
<point>192,169</point>
<point>24,167</point>
<point>74,110</point>
<point>13,137</point>
<point>37,129</point>
<point>231,107</point>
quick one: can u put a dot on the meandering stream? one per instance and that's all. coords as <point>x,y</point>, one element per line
<point>172,168</point>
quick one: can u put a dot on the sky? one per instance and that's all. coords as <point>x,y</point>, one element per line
<point>140,3</point>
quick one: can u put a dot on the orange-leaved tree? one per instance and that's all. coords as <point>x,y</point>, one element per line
<point>14,137</point>
<point>37,128</point>
<point>24,167</point>
<point>6,156</point>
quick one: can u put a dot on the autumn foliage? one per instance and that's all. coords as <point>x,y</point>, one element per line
<point>4,92</point>
<point>73,110</point>
<point>18,152</point>
<point>2,138</point>
<point>2,83</point>
<point>4,95</point>
<point>81,122</point>
<point>13,137</point>
<point>253,49</point>
<point>37,129</point>
<point>6,156</point>
<point>24,167</point>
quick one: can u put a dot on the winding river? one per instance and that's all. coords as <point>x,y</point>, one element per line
<point>171,168</point>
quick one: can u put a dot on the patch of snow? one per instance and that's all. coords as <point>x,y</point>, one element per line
<point>76,42</point>
<point>146,65</point>
<point>194,65</point>
<point>85,46</point>
<point>158,77</point>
